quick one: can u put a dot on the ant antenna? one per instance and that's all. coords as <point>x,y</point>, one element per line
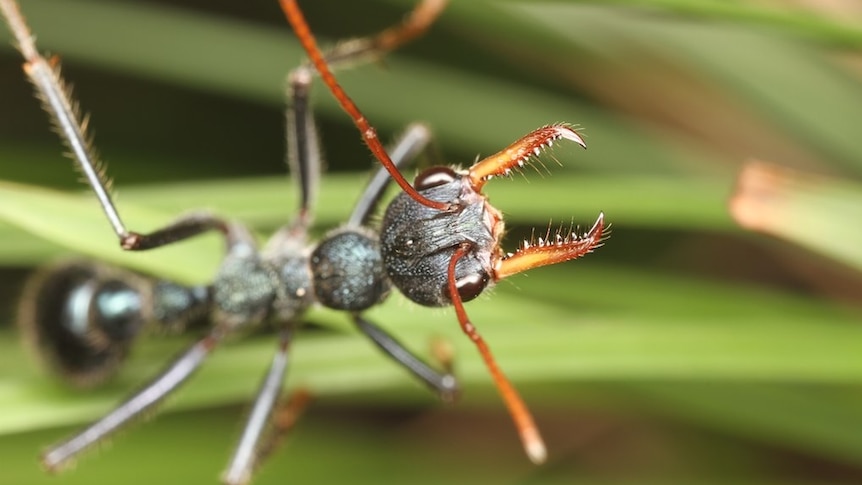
<point>415,24</point>
<point>532,441</point>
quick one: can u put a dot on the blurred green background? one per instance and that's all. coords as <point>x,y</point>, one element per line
<point>687,350</point>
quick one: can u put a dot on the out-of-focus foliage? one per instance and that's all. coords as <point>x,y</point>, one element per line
<point>692,348</point>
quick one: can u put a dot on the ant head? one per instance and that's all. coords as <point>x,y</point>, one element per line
<point>81,318</point>
<point>440,244</point>
<point>419,240</point>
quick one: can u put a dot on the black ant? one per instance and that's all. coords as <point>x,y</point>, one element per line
<point>438,244</point>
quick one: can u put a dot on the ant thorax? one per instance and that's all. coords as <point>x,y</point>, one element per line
<point>344,271</point>
<point>347,270</point>
<point>418,242</point>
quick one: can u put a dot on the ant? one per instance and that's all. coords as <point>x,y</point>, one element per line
<point>438,243</point>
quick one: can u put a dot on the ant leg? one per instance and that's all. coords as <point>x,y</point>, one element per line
<point>57,101</point>
<point>444,384</point>
<point>420,19</point>
<point>303,151</point>
<point>304,160</point>
<point>144,400</point>
<point>373,48</point>
<point>284,417</point>
<point>247,454</point>
<point>414,140</point>
<point>184,227</point>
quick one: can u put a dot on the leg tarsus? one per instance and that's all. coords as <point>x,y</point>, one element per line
<point>246,455</point>
<point>284,417</point>
<point>176,374</point>
<point>373,48</point>
<point>444,384</point>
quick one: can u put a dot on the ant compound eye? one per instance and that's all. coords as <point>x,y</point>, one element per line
<point>434,177</point>
<point>471,286</point>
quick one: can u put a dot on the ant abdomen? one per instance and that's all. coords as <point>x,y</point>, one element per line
<point>81,318</point>
<point>418,242</point>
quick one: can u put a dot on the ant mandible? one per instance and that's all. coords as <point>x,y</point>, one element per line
<point>438,244</point>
